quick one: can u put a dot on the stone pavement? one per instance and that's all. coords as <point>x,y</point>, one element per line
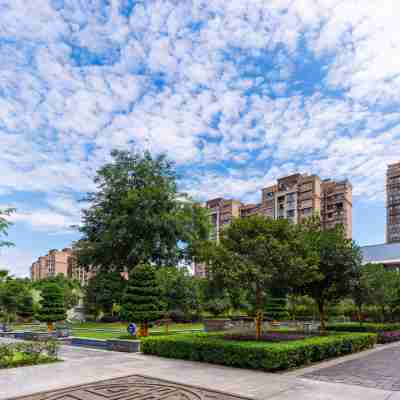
<point>83,366</point>
<point>379,370</point>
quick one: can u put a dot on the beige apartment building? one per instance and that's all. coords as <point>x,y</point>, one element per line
<point>393,203</point>
<point>294,197</point>
<point>58,262</point>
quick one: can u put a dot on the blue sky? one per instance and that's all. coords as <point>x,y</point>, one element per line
<point>237,92</point>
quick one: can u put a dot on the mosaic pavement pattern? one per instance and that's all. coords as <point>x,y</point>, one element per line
<point>132,388</point>
<point>379,370</point>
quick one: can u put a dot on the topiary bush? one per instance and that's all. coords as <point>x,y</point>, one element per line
<point>213,348</point>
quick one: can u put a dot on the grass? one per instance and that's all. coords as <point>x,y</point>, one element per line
<point>89,330</point>
<point>20,360</point>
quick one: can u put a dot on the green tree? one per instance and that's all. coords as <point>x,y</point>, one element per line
<point>141,302</point>
<point>103,292</point>
<point>179,291</point>
<point>137,215</point>
<point>338,260</point>
<point>71,289</point>
<point>25,306</point>
<point>5,225</point>
<point>52,306</point>
<point>258,254</point>
<point>276,304</point>
<point>382,287</point>
<point>9,296</point>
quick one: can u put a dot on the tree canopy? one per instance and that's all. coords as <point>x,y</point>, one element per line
<point>52,306</point>
<point>137,215</point>
<point>258,254</point>
<point>338,261</point>
<point>4,226</point>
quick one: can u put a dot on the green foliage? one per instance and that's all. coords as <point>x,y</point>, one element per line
<point>12,292</point>
<point>141,301</point>
<point>5,225</point>
<point>338,261</point>
<point>179,290</point>
<point>256,355</point>
<point>103,292</point>
<point>25,307</point>
<point>214,298</point>
<point>137,215</point>
<point>32,353</point>
<point>364,327</point>
<point>387,333</point>
<point>276,304</point>
<point>52,305</point>
<point>258,253</point>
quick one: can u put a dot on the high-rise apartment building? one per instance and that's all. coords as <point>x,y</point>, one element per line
<point>57,262</point>
<point>294,197</point>
<point>393,203</point>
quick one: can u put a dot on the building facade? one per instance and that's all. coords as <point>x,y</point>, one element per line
<point>393,203</point>
<point>294,197</point>
<point>387,254</point>
<point>58,262</point>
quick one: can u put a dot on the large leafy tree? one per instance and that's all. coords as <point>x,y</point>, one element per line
<point>258,254</point>
<point>52,306</point>
<point>103,291</point>
<point>136,215</point>
<point>141,302</point>
<point>338,261</point>
<point>179,290</point>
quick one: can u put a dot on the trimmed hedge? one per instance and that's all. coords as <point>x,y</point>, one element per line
<point>387,333</point>
<point>365,327</point>
<point>212,348</point>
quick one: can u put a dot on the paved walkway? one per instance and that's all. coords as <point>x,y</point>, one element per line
<point>82,366</point>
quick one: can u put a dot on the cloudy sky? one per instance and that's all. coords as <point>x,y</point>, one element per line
<point>237,92</point>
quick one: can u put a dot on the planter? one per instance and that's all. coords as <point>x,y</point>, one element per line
<point>125,346</point>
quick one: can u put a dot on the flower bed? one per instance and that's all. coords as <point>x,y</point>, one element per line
<point>387,333</point>
<point>212,348</point>
<point>27,353</point>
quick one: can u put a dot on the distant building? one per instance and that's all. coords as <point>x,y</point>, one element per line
<point>393,203</point>
<point>294,197</point>
<point>58,262</point>
<point>387,254</point>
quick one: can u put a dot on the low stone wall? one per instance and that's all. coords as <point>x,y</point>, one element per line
<point>125,346</point>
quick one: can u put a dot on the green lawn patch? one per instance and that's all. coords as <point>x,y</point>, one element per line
<point>212,348</point>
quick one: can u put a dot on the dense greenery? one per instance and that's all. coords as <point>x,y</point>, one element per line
<point>256,354</point>
<point>141,301</point>
<point>136,215</point>
<point>257,254</point>
<point>180,292</point>
<point>52,306</point>
<point>22,354</point>
<point>103,292</point>
<point>337,264</point>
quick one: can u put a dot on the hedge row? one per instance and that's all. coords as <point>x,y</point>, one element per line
<point>387,333</point>
<point>364,327</point>
<point>264,356</point>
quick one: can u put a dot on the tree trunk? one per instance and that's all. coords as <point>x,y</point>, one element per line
<point>50,327</point>
<point>359,314</point>
<point>259,315</point>
<point>144,329</point>
<point>321,309</point>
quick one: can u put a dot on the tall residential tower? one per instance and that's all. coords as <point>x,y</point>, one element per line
<point>393,203</point>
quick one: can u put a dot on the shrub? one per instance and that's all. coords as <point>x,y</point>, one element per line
<point>387,333</point>
<point>214,349</point>
<point>27,353</point>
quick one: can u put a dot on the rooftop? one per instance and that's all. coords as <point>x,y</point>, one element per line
<point>381,253</point>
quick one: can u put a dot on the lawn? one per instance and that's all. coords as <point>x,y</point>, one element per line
<point>98,330</point>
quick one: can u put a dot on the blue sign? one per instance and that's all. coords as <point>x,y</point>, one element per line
<point>132,329</point>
